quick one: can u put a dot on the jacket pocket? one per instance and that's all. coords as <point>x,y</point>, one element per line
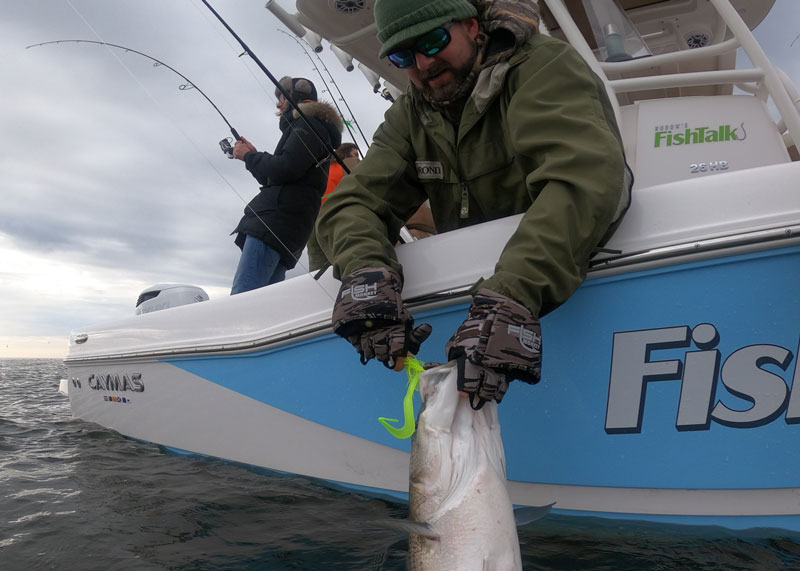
<point>267,199</point>
<point>484,159</point>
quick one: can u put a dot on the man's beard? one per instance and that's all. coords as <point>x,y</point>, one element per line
<point>459,87</point>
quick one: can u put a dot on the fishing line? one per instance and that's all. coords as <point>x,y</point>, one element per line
<point>186,136</point>
<point>341,95</point>
<point>328,89</point>
<point>226,39</point>
<point>145,90</point>
<point>325,83</point>
<point>278,86</point>
<point>258,81</point>
<point>297,110</point>
<point>260,84</point>
<point>157,63</point>
<point>270,95</point>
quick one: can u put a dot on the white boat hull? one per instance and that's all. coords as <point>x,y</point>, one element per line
<point>667,378</point>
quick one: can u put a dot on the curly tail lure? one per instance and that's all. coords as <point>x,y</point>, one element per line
<point>413,368</point>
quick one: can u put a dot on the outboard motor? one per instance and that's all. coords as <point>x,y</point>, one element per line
<point>164,296</point>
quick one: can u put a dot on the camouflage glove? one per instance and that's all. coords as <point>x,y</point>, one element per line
<point>498,342</point>
<point>370,314</point>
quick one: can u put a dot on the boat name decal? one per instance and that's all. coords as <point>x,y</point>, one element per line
<point>670,138</point>
<point>742,373</point>
<point>113,382</point>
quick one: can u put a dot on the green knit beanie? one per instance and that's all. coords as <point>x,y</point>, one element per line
<point>401,20</point>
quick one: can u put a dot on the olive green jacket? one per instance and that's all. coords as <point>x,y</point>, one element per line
<point>537,136</point>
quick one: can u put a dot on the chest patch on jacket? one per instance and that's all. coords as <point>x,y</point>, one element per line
<point>429,170</point>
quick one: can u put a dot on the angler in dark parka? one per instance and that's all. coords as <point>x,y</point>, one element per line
<point>278,222</point>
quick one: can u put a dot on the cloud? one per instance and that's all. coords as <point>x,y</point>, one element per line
<point>111,176</point>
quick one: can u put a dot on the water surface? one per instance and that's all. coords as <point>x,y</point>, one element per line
<point>75,496</point>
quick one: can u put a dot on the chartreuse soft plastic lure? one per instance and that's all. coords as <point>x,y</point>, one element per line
<point>413,368</point>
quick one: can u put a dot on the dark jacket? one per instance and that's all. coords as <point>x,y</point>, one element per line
<point>292,179</point>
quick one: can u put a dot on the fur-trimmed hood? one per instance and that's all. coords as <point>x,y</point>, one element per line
<point>320,110</point>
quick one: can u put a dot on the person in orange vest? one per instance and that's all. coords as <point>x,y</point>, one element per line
<point>420,225</point>
<point>348,152</point>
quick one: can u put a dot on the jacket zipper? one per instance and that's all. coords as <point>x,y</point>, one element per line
<point>464,214</point>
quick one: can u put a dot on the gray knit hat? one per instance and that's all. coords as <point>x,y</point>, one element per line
<point>401,20</point>
<point>299,89</point>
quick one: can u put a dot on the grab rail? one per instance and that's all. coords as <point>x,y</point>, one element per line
<point>763,71</point>
<point>755,52</point>
<point>691,79</point>
<point>640,64</point>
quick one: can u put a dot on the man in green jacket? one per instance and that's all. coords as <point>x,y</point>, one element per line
<point>498,120</point>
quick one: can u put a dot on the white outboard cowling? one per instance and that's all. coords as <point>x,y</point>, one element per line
<point>164,296</point>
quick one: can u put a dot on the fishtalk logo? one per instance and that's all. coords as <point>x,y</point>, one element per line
<point>668,138</point>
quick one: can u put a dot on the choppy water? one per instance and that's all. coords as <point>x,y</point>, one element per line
<point>74,496</point>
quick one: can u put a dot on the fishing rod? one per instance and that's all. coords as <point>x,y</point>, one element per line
<point>278,86</point>
<point>224,143</point>
<point>327,87</point>
<point>336,85</point>
<point>350,111</point>
<point>233,131</point>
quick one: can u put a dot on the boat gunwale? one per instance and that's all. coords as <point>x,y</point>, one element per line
<point>686,252</point>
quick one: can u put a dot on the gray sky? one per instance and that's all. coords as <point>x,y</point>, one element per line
<point>111,177</point>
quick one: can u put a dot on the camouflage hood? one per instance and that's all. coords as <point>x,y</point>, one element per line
<point>505,25</point>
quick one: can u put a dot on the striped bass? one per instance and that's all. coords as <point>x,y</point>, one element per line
<point>457,484</point>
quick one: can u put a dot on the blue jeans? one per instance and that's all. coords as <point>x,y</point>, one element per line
<point>259,266</point>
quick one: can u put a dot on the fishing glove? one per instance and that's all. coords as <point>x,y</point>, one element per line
<point>498,342</point>
<point>369,313</point>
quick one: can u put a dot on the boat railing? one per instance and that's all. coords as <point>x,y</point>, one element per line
<point>641,64</point>
<point>764,80</point>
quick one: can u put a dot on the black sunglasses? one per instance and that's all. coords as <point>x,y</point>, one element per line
<point>428,44</point>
